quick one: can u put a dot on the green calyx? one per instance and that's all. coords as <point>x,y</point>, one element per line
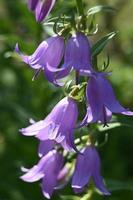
<point>77,92</point>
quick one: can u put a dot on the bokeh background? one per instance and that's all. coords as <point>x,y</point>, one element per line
<point>21,99</point>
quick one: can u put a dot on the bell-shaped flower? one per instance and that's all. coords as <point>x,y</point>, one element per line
<point>101,101</point>
<point>32,4</point>
<point>58,125</point>
<point>78,53</point>
<point>49,169</point>
<point>49,52</point>
<point>77,57</point>
<point>88,166</point>
<point>43,9</point>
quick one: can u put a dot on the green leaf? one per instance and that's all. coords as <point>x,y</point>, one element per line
<point>69,197</point>
<point>115,124</point>
<point>99,46</point>
<point>111,126</point>
<point>100,8</point>
<point>114,185</point>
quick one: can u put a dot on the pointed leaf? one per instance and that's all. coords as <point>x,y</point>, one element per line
<point>100,8</point>
<point>99,46</point>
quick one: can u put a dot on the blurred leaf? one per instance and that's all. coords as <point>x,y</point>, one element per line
<point>87,196</point>
<point>111,125</point>
<point>116,124</point>
<point>115,185</point>
<point>69,197</point>
<point>99,46</point>
<point>100,8</point>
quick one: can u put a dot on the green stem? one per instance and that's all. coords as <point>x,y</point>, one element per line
<point>80,7</point>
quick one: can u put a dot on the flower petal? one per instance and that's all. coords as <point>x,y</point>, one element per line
<point>78,52</point>
<point>45,146</point>
<point>82,173</point>
<point>38,171</point>
<point>24,57</point>
<point>35,128</point>
<point>129,113</point>
<point>99,183</point>
<point>108,96</point>
<point>32,4</point>
<point>98,180</point>
<point>68,142</point>
<point>33,174</point>
<point>43,9</point>
<point>55,74</point>
<point>48,184</point>
<point>62,174</point>
<point>94,98</point>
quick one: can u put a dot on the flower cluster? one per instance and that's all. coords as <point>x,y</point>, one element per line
<point>57,57</point>
<point>76,53</point>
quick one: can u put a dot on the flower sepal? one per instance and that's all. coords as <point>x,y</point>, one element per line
<point>77,92</point>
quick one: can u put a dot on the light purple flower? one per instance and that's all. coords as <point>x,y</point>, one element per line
<point>88,166</point>
<point>101,101</point>
<point>45,146</point>
<point>48,169</point>
<point>58,125</point>
<point>43,8</point>
<point>77,57</point>
<point>49,52</point>
<point>32,4</point>
<point>78,53</point>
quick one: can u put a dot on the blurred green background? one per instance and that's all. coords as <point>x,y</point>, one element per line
<point>21,99</point>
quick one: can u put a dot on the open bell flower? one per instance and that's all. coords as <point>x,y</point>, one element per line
<point>58,125</point>
<point>77,56</point>
<point>32,4</point>
<point>43,9</point>
<point>88,166</point>
<point>50,169</point>
<point>78,53</point>
<point>101,101</point>
<point>49,52</point>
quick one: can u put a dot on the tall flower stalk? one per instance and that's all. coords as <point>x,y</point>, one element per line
<point>60,141</point>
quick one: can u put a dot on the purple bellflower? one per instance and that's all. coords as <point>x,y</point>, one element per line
<point>88,166</point>
<point>77,57</point>
<point>49,52</point>
<point>78,53</point>
<point>43,8</point>
<point>50,169</point>
<point>32,4</point>
<point>101,101</point>
<point>58,125</point>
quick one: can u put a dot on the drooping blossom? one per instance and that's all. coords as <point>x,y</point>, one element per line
<point>43,9</point>
<point>50,169</point>
<point>32,4</point>
<point>78,53</point>
<point>77,57</point>
<point>58,125</point>
<point>88,166</point>
<point>49,52</point>
<point>101,101</point>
